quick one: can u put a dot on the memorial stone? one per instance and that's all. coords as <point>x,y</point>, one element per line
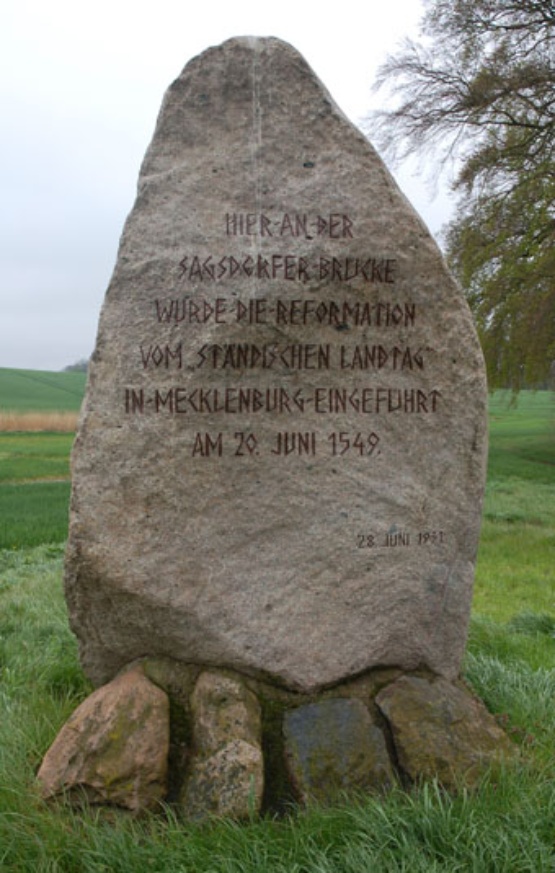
<point>280,462</point>
<point>279,467</point>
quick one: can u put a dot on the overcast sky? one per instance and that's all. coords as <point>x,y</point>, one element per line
<point>81,86</point>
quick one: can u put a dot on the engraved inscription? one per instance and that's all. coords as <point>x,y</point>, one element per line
<point>191,311</point>
<point>244,356</point>
<point>295,356</point>
<point>343,314</point>
<point>206,444</point>
<point>394,539</point>
<point>361,444</point>
<point>286,443</point>
<point>240,400</point>
<point>290,268</point>
<point>377,357</point>
<point>334,225</point>
<point>247,444</point>
<point>162,356</point>
<point>295,443</point>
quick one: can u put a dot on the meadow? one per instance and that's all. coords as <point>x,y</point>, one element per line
<point>38,401</point>
<point>507,824</point>
<point>38,415</point>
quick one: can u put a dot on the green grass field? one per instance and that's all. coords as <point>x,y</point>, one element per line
<point>508,824</point>
<point>34,467</point>
<point>34,488</point>
<point>516,560</point>
<point>40,391</point>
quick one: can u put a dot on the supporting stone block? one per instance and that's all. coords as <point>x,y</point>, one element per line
<point>114,748</point>
<point>333,747</point>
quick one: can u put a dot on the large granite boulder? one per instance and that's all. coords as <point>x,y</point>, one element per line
<point>281,456</point>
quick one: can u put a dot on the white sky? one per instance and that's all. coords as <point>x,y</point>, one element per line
<point>80,88</point>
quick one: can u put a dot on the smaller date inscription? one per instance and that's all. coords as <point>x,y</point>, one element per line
<point>400,539</point>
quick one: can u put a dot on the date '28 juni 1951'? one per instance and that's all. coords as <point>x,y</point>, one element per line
<point>400,539</point>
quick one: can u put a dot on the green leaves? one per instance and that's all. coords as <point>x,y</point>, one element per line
<point>480,91</point>
<point>501,248</point>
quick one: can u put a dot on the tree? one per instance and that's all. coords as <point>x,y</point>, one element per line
<point>80,366</point>
<point>478,91</point>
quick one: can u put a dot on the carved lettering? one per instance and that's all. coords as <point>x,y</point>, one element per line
<point>334,225</point>
<point>253,312</point>
<point>285,357</point>
<point>206,445</point>
<point>375,401</point>
<point>298,311</point>
<point>291,268</point>
<point>344,314</point>
<point>247,356</point>
<point>346,269</point>
<point>361,444</point>
<point>247,444</point>
<point>392,540</point>
<point>295,443</point>
<point>162,356</point>
<point>247,224</point>
<point>134,400</point>
<point>377,357</point>
<point>191,311</point>
<point>400,539</point>
<point>239,400</point>
<point>164,401</point>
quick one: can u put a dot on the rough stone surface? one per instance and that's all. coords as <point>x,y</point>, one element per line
<point>114,748</point>
<point>177,679</point>
<point>228,783</point>
<point>441,731</point>
<point>280,460</point>
<point>223,709</point>
<point>332,747</point>
<point>226,773</point>
<point>239,746</point>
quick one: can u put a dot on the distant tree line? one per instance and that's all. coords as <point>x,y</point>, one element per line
<point>478,91</point>
<point>80,366</point>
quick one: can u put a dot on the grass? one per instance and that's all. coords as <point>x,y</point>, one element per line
<point>34,488</point>
<point>32,456</point>
<point>35,391</point>
<point>506,825</point>
<point>33,513</point>
<point>34,400</point>
<point>516,559</point>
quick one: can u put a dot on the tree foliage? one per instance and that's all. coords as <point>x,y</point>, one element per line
<point>478,89</point>
<point>80,366</point>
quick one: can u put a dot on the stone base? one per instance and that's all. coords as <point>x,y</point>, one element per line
<point>216,743</point>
